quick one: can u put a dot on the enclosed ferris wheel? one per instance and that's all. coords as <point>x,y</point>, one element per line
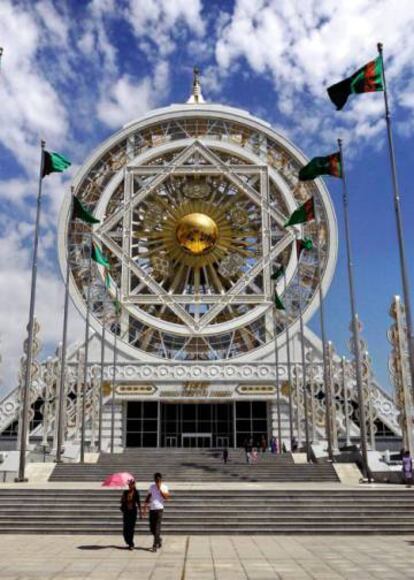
<point>191,201</point>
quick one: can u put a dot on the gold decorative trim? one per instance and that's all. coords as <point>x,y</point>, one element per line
<point>135,389</point>
<point>256,390</point>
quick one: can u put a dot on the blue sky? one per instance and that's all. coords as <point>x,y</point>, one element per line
<point>74,72</point>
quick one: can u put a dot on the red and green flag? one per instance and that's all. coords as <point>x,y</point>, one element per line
<point>304,213</point>
<point>80,212</point>
<point>279,272</point>
<point>305,244</point>
<point>368,79</point>
<point>329,165</point>
<point>99,257</point>
<point>278,303</point>
<point>54,163</point>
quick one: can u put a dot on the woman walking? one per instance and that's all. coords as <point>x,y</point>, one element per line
<point>130,504</point>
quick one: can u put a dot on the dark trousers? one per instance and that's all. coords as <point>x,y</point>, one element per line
<point>155,518</point>
<point>130,518</point>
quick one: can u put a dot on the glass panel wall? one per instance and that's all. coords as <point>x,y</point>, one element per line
<point>197,418</point>
<point>142,424</point>
<point>251,422</point>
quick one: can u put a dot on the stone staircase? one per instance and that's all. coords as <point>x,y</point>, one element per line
<point>195,465</point>
<point>218,511</point>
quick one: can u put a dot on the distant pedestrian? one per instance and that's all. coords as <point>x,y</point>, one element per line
<point>157,494</point>
<point>248,449</point>
<point>294,445</point>
<point>263,444</point>
<point>254,455</point>
<point>273,445</point>
<point>407,468</point>
<point>130,504</point>
<point>225,455</point>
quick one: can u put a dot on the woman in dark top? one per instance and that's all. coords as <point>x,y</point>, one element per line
<point>130,504</point>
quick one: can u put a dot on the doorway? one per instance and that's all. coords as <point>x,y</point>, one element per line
<point>196,440</point>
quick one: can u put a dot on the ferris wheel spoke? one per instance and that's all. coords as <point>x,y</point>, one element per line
<point>247,279</point>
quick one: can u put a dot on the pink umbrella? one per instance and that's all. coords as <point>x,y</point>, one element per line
<point>118,479</point>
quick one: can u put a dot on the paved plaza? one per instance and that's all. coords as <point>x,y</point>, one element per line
<point>207,558</point>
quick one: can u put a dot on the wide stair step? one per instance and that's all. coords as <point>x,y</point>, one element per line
<point>238,511</point>
<point>196,466</point>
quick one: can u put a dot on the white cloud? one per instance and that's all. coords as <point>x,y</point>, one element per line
<point>127,99</point>
<point>30,107</point>
<point>15,276</point>
<point>304,47</point>
<point>163,21</point>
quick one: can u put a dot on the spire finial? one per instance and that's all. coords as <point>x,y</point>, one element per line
<point>196,96</point>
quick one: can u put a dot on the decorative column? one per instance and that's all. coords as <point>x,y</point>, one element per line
<point>49,379</point>
<point>312,373</point>
<point>369,411</point>
<point>93,405</point>
<point>368,396</point>
<point>400,372</point>
<point>346,370</point>
<point>298,400</point>
<point>330,351</point>
<point>35,385</point>
<point>79,392</point>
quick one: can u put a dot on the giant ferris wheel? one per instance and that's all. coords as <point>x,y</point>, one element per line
<point>191,201</point>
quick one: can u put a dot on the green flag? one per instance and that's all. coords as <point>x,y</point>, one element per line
<point>108,280</point>
<point>278,303</point>
<point>329,165</point>
<point>367,79</point>
<point>305,244</point>
<point>117,306</point>
<point>99,257</point>
<point>304,213</point>
<point>80,212</point>
<point>278,273</point>
<point>54,163</point>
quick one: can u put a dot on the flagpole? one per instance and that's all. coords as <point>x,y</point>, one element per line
<point>61,396</point>
<point>355,322</point>
<point>85,371</point>
<point>289,371</point>
<point>328,392</point>
<point>24,417</point>
<point>400,231</point>
<point>302,346</point>
<point>279,425</point>
<point>114,378</point>
<point>102,379</point>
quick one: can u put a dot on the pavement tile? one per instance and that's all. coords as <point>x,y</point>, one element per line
<point>208,558</point>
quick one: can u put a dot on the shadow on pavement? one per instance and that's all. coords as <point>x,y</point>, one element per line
<point>97,547</point>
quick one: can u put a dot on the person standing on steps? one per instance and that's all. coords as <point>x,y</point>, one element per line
<point>407,468</point>
<point>157,494</point>
<point>130,504</point>
<point>225,455</point>
<point>248,448</point>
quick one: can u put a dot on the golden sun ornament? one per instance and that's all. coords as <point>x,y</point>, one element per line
<point>197,233</point>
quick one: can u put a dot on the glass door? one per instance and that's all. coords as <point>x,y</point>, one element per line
<point>196,440</point>
<point>171,441</point>
<point>222,442</point>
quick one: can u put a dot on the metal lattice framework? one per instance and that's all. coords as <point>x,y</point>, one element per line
<point>196,160</point>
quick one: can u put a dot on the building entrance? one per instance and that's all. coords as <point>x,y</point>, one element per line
<point>196,439</point>
<point>197,424</point>
<point>218,425</point>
